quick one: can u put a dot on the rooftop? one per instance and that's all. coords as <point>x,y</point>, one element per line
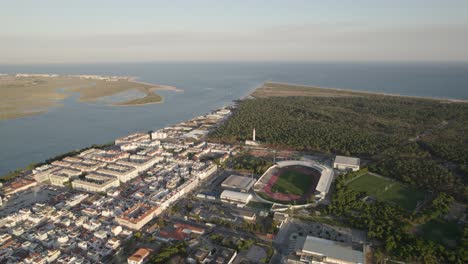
<point>139,255</point>
<point>137,213</point>
<point>319,246</point>
<point>235,195</point>
<point>347,160</point>
<point>238,182</point>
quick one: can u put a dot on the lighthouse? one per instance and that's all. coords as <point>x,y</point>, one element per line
<point>252,142</point>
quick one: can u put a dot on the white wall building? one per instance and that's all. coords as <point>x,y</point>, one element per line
<point>238,198</point>
<point>346,163</point>
<point>95,183</point>
<point>123,173</point>
<point>318,250</point>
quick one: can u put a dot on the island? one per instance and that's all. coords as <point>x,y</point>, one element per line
<point>31,94</point>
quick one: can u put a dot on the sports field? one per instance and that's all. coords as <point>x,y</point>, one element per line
<point>288,184</point>
<point>293,182</point>
<point>387,190</point>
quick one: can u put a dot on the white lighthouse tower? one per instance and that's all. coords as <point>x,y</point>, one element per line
<point>252,142</point>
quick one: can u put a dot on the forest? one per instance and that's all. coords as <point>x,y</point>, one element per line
<point>417,141</point>
<point>396,227</point>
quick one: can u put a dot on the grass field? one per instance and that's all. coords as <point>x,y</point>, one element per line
<point>387,190</point>
<point>293,182</point>
<point>449,233</point>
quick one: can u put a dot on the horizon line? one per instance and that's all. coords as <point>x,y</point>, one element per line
<point>237,61</point>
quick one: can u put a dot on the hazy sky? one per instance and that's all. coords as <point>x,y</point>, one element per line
<point>82,31</point>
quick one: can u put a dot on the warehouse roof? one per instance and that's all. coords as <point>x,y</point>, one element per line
<point>238,182</point>
<point>319,246</point>
<point>347,160</point>
<point>236,196</point>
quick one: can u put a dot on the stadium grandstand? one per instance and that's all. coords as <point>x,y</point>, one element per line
<point>237,198</point>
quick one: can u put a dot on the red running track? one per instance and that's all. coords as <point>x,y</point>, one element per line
<point>278,196</point>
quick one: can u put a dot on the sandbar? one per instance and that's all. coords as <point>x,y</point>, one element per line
<point>24,95</point>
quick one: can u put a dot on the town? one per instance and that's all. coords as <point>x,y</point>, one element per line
<point>122,202</point>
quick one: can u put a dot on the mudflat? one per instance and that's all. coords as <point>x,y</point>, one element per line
<point>28,94</point>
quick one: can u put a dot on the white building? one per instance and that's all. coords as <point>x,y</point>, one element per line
<point>58,180</point>
<point>95,183</point>
<point>205,172</point>
<point>238,198</point>
<point>139,256</point>
<point>158,135</point>
<point>44,172</point>
<point>122,172</point>
<point>346,163</point>
<point>137,216</point>
<point>318,250</point>
<point>141,163</point>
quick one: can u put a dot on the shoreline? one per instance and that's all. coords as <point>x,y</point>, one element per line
<point>89,87</point>
<point>161,87</point>
<point>117,105</point>
<point>357,92</point>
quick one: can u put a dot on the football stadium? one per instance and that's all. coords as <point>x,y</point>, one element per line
<point>294,182</point>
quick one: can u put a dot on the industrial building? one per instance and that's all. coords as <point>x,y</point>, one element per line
<point>319,250</point>
<point>238,183</point>
<point>346,163</point>
<point>237,198</point>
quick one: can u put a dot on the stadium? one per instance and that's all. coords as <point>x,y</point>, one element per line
<point>295,182</point>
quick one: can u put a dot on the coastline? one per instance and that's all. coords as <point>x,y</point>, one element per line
<point>352,92</point>
<point>162,87</point>
<point>46,91</point>
<point>149,103</point>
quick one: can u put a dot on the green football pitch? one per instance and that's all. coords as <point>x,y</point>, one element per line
<point>387,190</point>
<point>293,182</point>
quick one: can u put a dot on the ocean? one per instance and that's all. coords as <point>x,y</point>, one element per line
<point>206,86</point>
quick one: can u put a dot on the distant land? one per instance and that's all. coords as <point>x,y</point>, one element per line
<point>31,94</point>
<point>278,89</point>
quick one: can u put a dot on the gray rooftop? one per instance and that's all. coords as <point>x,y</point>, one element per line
<point>347,160</point>
<point>319,246</point>
<point>238,182</point>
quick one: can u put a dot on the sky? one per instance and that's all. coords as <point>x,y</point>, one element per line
<point>106,31</point>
